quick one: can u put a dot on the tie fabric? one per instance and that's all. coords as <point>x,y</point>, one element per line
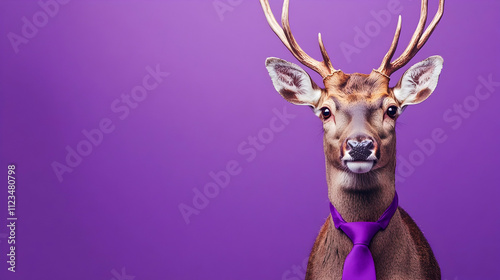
<point>359,263</point>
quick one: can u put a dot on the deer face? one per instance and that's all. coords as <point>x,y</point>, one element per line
<point>358,115</point>
<point>358,111</point>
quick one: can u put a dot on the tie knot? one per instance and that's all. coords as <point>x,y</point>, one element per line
<point>361,233</point>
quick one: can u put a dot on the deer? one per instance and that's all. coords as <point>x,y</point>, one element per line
<point>359,113</point>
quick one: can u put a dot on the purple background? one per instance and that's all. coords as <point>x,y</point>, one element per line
<point>119,208</point>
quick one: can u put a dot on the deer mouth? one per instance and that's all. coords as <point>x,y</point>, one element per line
<point>360,158</point>
<point>359,166</point>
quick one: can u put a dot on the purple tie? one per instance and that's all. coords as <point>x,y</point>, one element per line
<point>359,262</point>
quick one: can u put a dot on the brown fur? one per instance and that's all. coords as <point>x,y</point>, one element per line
<point>358,104</point>
<point>400,251</point>
<point>426,256</point>
<point>413,258</point>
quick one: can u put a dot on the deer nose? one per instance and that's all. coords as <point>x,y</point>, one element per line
<point>360,148</point>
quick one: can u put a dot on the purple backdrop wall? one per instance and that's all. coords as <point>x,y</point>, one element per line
<point>117,113</point>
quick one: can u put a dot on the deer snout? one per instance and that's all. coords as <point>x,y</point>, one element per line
<point>359,154</point>
<point>360,150</point>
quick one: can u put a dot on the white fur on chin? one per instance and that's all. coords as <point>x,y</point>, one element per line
<point>360,166</point>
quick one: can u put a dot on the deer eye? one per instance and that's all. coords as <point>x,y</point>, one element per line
<point>392,111</point>
<point>326,113</point>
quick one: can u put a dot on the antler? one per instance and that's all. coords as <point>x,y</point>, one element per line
<point>416,43</point>
<point>324,68</point>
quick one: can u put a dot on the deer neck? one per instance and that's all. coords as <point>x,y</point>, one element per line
<point>361,197</point>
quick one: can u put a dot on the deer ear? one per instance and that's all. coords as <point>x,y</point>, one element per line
<point>293,83</point>
<point>419,81</point>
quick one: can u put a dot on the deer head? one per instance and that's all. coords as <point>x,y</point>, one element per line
<point>358,111</point>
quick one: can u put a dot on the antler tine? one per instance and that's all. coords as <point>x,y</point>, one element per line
<point>387,58</point>
<point>432,25</point>
<point>411,49</point>
<point>296,49</point>
<point>326,58</point>
<point>323,68</point>
<point>416,43</point>
<point>273,23</point>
